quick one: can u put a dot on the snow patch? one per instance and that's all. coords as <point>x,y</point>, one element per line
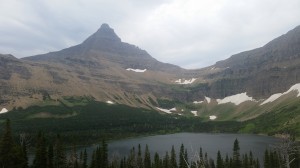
<point>136,70</point>
<point>185,82</point>
<point>198,102</point>
<point>212,117</point>
<point>169,111</point>
<point>235,99</point>
<point>275,96</point>
<point>207,99</point>
<point>4,110</point>
<point>110,102</point>
<point>195,113</point>
<point>272,98</point>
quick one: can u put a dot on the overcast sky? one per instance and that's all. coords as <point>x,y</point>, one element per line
<point>188,33</point>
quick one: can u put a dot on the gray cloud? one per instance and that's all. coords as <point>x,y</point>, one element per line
<point>189,33</point>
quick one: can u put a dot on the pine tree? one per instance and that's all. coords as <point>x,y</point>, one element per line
<point>157,161</point>
<point>186,159</point>
<point>212,163</point>
<point>40,159</point>
<point>24,151</point>
<point>84,162</point>
<point>73,161</point>
<point>206,161</point>
<point>139,159</point>
<point>251,159</point>
<point>266,159</point>
<point>201,159</point>
<point>181,157</point>
<point>166,161</point>
<point>219,160</point>
<point>246,161</point>
<point>226,165</point>
<point>147,158</point>
<point>6,147</point>
<point>93,160</point>
<point>50,156</point>
<point>104,155</point>
<point>257,164</point>
<point>236,154</point>
<point>131,161</point>
<point>173,158</point>
<point>60,160</point>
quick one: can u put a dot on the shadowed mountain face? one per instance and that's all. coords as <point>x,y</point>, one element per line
<point>99,68</point>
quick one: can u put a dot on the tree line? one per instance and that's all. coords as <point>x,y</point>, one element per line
<point>53,154</point>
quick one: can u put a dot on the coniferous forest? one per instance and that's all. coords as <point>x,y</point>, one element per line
<point>54,154</point>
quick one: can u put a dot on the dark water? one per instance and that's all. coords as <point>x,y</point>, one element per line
<point>210,143</point>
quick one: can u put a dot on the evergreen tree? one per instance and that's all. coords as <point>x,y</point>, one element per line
<point>60,160</point>
<point>139,159</point>
<point>104,155</point>
<point>6,147</point>
<point>219,160</point>
<point>24,151</point>
<point>173,158</point>
<point>73,161</point>
<point>201,159</point>
<point>147,158</point>
<point>166,161</point>
<point>84,159</point>
<point>266,159</point>
<point>236,155</point>
<point>257,164</point>
<point>93,160</point>
<point>50,156</point>
<point>246,161</point>
<point>131,161</point>
<point>181,157</point>
<point>186,159</point>
<point>40,159</point>
<point>212,163</point>
<point>206,161</point>
<point>157,161</point>
<point>251,160</point>
<point>226,164</point>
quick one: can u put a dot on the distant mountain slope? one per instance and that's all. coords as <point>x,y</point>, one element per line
<point>260,72</point>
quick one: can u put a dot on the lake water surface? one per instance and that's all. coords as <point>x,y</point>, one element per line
<point>210,143</point>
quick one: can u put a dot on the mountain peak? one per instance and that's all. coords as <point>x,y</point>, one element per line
<point>107,33</point>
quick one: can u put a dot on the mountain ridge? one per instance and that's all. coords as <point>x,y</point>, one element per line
<point>98,67</point>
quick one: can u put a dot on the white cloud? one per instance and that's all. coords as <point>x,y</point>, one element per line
<point>189,33</point>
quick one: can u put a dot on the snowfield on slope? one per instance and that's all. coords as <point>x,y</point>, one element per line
<point>169,111</point>
<point>236,99</point>
<point>275,96</point>
<point>4,110</point>
<point>212,117</point>
<point>109,102</point>
<point>136,70</point>
<point>185,82</point>
<point>207,99</point>
<point>197,102</point>
<point>195,113</point>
